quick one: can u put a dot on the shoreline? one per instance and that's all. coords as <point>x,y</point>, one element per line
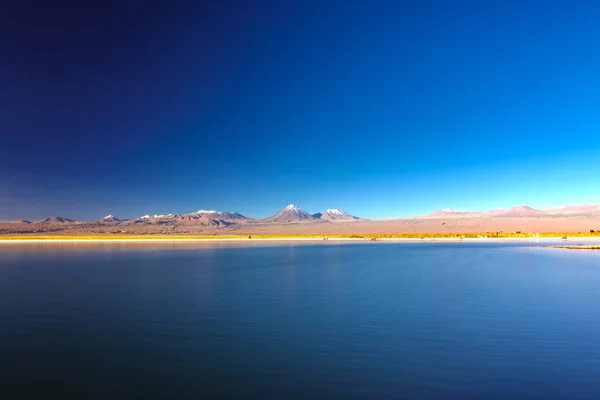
<point>288,239</point>
<point>577,247</point>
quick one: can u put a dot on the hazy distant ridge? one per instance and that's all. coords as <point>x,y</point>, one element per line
<point>523,211</point>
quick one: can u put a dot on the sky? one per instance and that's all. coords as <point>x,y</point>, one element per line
<point>381,108</point>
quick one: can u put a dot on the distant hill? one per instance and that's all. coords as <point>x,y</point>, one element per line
<point>335,214</point>
<point>195,219</point>
<point>451,212</point>
<point>222,215</point>
<point>109,218</point>
<point>522,211</point>
<point>57,220</point>
<point>291,213</point>
<point>20,221</point>
<point>568,209</point>
<point>519,211</point>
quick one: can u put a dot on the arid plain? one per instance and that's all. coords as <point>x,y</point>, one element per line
<point>292,220</point>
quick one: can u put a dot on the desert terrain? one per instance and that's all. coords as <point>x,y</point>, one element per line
<point>520,220</point>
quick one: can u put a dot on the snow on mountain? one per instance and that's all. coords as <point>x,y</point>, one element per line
<point>335,211</point>
<point>450,211</point>
<point>109,218</point>
<point>151,216</point>
<point>290,213</point>
<point>197,220</point>
<point>225,215</point>
<point>334,214</point>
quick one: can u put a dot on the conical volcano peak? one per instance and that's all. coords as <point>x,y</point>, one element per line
<point>291,213</point>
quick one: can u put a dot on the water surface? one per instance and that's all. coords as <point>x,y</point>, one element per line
<point>299,320</point>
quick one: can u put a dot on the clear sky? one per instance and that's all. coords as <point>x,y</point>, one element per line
<point>381,108</point>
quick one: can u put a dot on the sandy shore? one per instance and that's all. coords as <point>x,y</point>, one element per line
<point>403,226</point>
<point>298,239</point>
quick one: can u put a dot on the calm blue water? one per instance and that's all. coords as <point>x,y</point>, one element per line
<point>298,321</point>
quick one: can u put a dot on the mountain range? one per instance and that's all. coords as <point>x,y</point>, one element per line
<point>522,211</point>
<point>335,214</point>
<point>294,214</point>
<point>289,214</point>
<point>294,220</point>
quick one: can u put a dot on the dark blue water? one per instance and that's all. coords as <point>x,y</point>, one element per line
<point>350,321</point>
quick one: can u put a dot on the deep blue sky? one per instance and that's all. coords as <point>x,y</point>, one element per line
<point>382,108</point>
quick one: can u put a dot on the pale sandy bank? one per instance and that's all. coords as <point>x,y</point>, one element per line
<point>309,239</point>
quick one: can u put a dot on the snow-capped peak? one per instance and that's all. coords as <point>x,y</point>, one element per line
<point>334,214</point>
<point>291,213</point>
<point>206,212</point>
<point>450,210</point>
<point>335,211</point>
<point>109,218</point>
<point>151,216</point>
